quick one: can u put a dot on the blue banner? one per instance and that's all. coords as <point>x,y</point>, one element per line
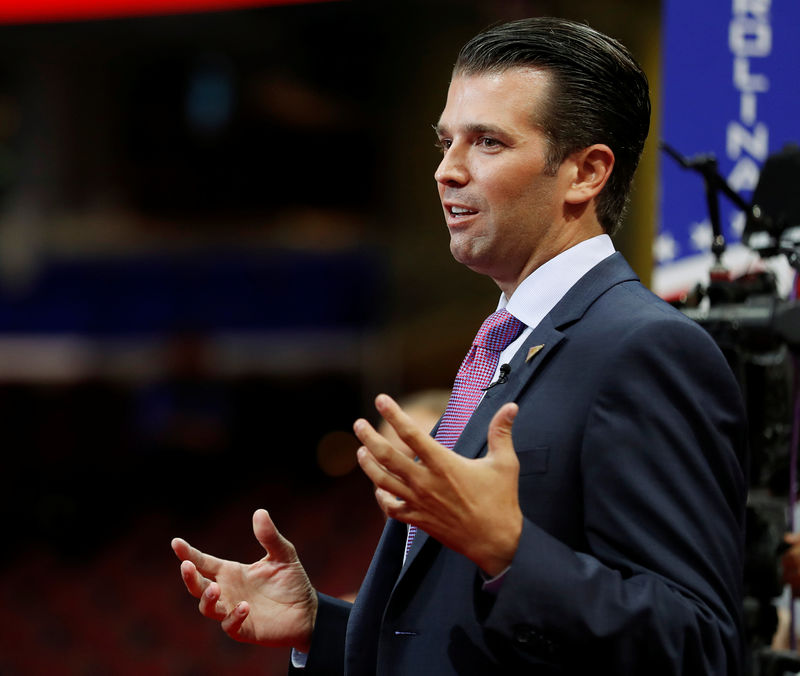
<point>731,88</point>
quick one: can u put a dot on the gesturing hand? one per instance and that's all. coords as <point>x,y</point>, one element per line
<point>469,505</point>
<point>269,602</point>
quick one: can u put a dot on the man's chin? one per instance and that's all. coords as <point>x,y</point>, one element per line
<point>470,257</point>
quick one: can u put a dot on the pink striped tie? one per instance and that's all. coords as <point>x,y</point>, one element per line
<point>474,374</point>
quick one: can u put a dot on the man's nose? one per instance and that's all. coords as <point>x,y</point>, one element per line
<point>452,170</point>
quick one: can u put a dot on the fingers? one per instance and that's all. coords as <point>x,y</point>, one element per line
<point>417,439</point>
<point>199,573</point>
<point>232,622</point>
<point>210,604</point>
<point>208,565</point>
<point>396,508</point>
<point>381,477</point>
<point>195,583</point>
<point>198,584</point>
<point>206,590</point>
<point>181,548</point>
<point>388,458</point>
<point>394,472</point>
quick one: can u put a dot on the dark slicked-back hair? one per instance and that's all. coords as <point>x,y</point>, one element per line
<point>597,94</point>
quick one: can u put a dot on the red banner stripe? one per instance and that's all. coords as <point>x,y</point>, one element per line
<point>36,11</point>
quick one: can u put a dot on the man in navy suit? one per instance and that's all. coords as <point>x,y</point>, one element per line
<point>589,518</point>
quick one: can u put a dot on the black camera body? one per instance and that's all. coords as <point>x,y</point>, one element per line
<point>759,333</point>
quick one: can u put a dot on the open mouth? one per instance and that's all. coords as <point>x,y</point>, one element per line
<point>461,211</point>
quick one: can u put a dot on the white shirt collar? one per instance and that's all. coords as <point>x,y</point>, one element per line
<point>540,291</point>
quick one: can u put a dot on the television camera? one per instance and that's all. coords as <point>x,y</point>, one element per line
<point>758,330</point>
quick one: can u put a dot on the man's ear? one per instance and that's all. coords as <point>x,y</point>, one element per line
<point>590,169</point>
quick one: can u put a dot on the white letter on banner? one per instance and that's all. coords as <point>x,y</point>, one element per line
<point>748,105</point>
<point>746,81</point>
<point>739,138</point>
<point>754,7</point>
<point>749,37</point>
<point>744,175</point>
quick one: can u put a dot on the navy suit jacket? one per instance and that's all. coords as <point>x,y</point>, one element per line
<point>632,443</point>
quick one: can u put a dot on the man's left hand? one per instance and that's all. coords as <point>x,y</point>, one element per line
<point>469,505</point>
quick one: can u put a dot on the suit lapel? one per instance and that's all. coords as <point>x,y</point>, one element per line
<point>540,345</point>
<point>473,438</point>
<point>544,337</point>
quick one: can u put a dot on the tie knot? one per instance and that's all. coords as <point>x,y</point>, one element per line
<point>498,331</point>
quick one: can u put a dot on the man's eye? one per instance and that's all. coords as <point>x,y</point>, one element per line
<point>488,142</point>
<point>443,144</point>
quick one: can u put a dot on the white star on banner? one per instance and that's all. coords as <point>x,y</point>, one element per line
<point>702,235</point>
<point>665,248</point>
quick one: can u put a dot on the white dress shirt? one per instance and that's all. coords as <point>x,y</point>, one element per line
<point>540,291</point>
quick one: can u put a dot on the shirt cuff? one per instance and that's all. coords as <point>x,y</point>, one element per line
<point>492,585</point>
<point>299,659</point>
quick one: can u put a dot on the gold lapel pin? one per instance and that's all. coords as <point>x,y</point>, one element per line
<point>533,352</point>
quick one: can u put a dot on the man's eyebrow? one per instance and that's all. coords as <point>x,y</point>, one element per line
<point>471,128</point>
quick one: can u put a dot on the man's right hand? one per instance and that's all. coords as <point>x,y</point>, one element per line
<point>270,602</point>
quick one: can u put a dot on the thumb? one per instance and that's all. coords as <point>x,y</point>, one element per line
<point>791,538</point>
<point>499,437</point>
<point>277,546</point>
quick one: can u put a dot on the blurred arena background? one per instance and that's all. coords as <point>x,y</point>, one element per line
<point>219,239</point>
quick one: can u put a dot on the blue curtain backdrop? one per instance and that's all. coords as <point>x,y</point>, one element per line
<point>731,87</point>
